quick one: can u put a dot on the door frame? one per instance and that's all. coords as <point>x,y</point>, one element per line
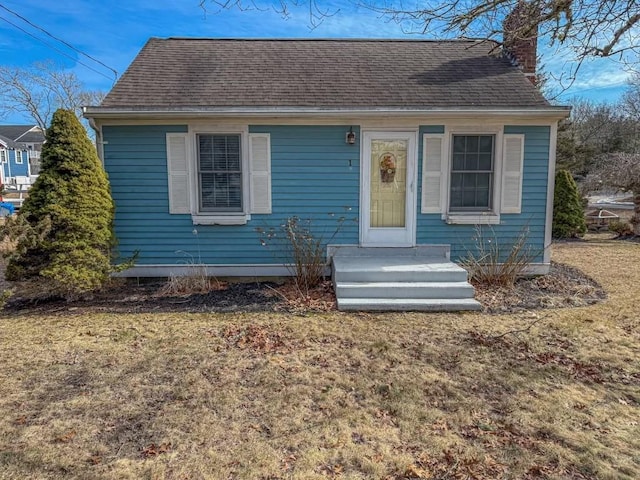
<point>389,237</point>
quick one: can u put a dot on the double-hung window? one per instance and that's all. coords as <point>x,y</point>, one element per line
<point>472,176</point>
<point>472,173</point>
<point>219,173</point>
<point>219,178</point>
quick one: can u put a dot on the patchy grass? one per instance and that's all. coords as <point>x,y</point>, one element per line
<point>349,396</point>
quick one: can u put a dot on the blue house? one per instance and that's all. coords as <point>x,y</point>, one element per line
<point>20,147</point>
<point>15,162</point>
<point>415,143</point>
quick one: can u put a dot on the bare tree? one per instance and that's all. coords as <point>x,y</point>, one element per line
<point>315,11</point>
<point>594,130</point>
<point>40,90</point>
<point>620,171</point>
<point>631,99</point>
<point>589,28</point>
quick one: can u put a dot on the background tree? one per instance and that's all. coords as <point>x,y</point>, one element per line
<point>630,105</point>
<point>40,90</point>
<point>620,171</point>
<point>568,214</point>
<point>631,98</point>
<point>594,130</point>
<point>572,152</point>
<point>64,228</point>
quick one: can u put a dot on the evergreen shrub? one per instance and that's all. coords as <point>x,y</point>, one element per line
<point>64,229</point>
<point>568,211</point>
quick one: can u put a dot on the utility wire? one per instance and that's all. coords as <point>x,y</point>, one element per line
<point>115,72</point>
<point>54,48</point>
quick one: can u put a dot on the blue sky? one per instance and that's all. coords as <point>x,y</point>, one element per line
<point>114,31</point>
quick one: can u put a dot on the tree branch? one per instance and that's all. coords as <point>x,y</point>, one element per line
<point>39,90</point>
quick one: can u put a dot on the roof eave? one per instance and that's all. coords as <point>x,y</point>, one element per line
<point>557,112</point>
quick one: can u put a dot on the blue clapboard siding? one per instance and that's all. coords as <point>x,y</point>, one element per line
<point>432,229</point>
<point>315,175</point>
<point>13,169</point>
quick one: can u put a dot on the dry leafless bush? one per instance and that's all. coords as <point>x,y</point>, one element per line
<point>302,248</point>
<point>493,263</point>
<point>195,281</point>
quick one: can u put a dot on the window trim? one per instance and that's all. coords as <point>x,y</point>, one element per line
<point>19,160</point>
<point>473,217</point>
<point>219,218</point>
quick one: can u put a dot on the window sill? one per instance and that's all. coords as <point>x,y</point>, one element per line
<point>239,219</point>
<point>473,219</point>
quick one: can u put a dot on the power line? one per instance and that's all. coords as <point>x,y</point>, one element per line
<point>54,48</point>
<point>115,73</point>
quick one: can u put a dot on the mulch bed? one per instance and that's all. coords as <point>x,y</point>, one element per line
<point>629,238</point>
<point>564,287</point>
<point>129,297</point>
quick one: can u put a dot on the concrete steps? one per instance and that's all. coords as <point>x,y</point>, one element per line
<point>407,305</point>
<point>404,290</point>
<point>387,279</point>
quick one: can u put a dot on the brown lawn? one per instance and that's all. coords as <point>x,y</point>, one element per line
<point>349,396</point>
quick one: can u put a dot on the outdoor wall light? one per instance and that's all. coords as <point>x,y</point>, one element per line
<point>351,137</point>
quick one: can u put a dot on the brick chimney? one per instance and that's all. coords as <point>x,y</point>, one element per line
<point>520,38</point>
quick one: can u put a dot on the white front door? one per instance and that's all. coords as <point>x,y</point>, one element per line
<point>388,181</point>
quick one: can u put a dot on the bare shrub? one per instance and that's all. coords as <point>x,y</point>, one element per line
<point>301,248</point>
<point>306,252</point>
<point>196,280</point>
<point>620,227</point>
<point>493,263</point>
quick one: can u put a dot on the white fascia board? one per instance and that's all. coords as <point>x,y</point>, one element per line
<point>106,112</point>
<point>248,271</point>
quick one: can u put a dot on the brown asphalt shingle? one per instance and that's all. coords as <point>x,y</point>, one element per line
<point>331,74</point>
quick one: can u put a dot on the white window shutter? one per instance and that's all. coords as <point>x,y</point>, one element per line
<point>512,166</point>
<point>178,169</point>
<point>433,160</point>
<point>260,160</point>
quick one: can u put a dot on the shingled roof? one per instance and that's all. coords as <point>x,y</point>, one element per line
<point>22,133</point>
<point>179,73</point>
